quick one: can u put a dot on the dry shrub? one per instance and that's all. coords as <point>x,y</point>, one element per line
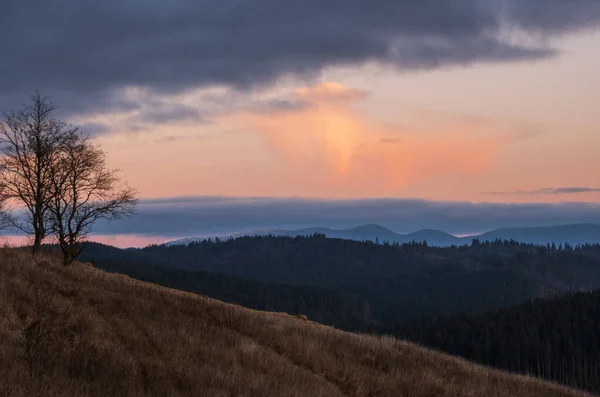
<point>109,335</point>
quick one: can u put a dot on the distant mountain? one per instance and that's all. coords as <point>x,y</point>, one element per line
<point>573,234</point>
<point>436,238</point>
<point>358,233</point>
<point>225,236</point>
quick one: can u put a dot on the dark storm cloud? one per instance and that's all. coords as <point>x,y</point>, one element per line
<point>85,53</point>
<point>162,113</point>
<point>553,16</point>
<point>68,102</point>
<point>239,101</point>
<point>186,216</point>
<point>94,129</point>
<point>550,190</point>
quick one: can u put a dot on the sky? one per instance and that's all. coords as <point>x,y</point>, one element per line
<point>230,115</point>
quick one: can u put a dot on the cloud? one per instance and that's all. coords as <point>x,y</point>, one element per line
<point>93,128</point>
<point>227,101</point>
<point>331,93</point>
<point>277,105</point>
<point>153,109</point>
<point>332,142</point>
<point>165,113</point>
<point>87,55</point>
<point>144,110</point>
<point>175,138</point>
<point>390,140</point>
<point>195,200</point>
<point>184,216</point>
<point>194,107</point>
<point>549,191</point>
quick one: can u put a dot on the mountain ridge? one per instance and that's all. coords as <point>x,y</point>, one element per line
<point>575,233</point>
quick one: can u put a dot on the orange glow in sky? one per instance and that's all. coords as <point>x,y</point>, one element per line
<point>340,148</point>
<point>444,135</point>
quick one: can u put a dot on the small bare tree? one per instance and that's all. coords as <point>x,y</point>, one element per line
<point>30,139</point>
<point>83,191</point>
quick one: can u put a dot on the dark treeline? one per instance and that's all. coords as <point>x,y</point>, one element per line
<point>557,340</point>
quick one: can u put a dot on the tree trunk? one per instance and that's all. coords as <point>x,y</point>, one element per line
<point>37,243</point>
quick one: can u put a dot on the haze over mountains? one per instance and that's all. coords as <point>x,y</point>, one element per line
<point>573,234</point>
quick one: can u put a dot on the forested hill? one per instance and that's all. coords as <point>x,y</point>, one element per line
<point>326,306</point>
<point>328,262</point>
<point>557,340</point>
<point>384,283</point>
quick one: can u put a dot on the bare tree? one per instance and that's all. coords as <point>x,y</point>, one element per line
<point>83,191</point>
<point>30,139</point>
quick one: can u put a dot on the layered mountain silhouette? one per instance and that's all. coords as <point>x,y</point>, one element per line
<point>572,234</point>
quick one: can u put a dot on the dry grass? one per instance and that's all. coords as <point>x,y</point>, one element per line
<point>78,331</point>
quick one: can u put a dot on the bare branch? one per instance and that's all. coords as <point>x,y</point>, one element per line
<point>84,190</point>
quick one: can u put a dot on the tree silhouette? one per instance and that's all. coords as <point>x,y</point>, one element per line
<point>31,140</point>
<point>84,190</point>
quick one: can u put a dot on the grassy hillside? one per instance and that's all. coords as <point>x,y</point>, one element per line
<point>78,331</point>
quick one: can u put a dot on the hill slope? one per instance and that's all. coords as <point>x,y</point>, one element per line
<point>327,306</point>
<point>80,331</point>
